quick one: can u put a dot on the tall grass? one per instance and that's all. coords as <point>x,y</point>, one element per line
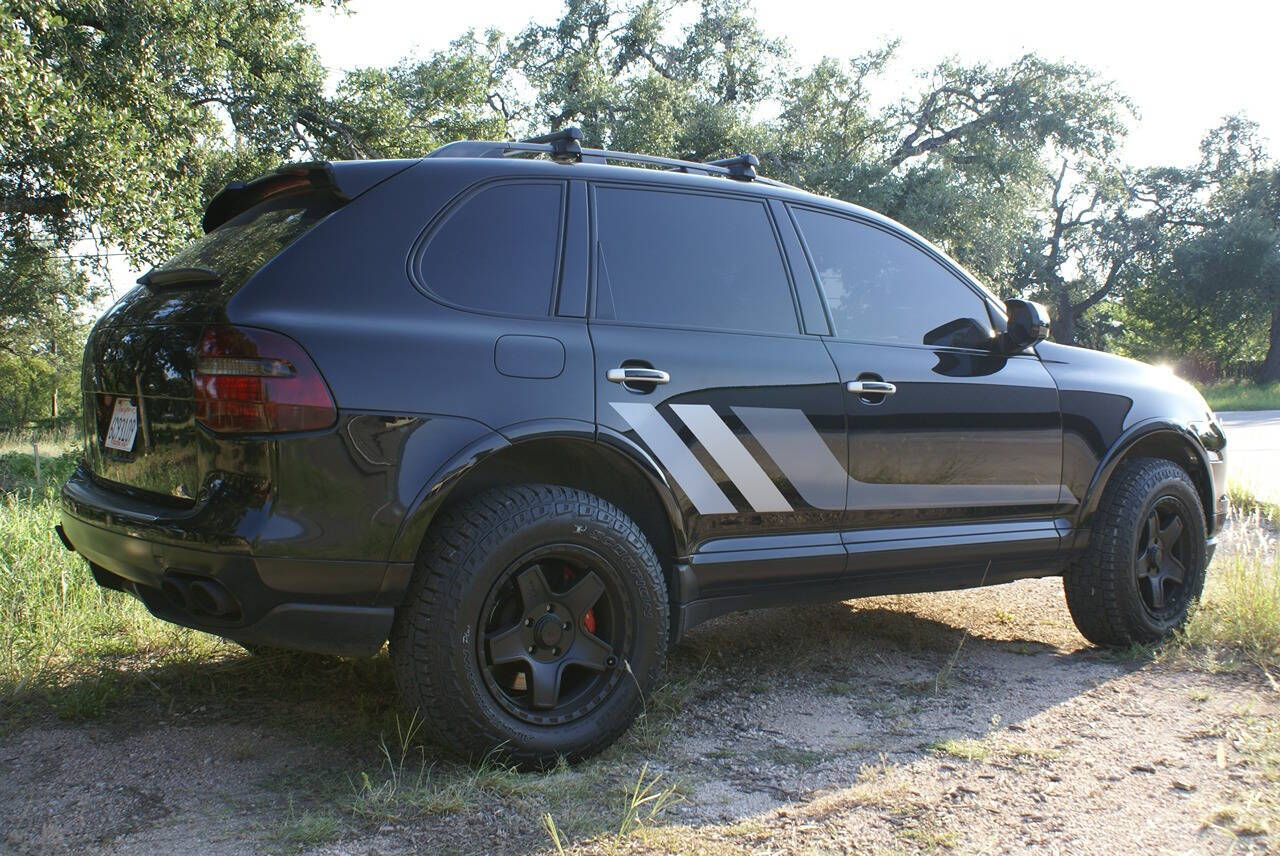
<point>56,624</point>
<point>1242,395</point>
<point>1239,613</point>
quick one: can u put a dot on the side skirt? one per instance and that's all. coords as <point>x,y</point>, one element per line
<point>903,561</point>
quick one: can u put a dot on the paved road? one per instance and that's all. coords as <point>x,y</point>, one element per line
<point>1253,450</point>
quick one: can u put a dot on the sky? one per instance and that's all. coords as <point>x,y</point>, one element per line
<point>1184,66</point>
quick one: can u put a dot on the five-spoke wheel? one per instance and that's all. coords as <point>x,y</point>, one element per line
<point>1146,558</point>
<point>535,622</point>
<point>1162,556</point>
<point>549,648</point>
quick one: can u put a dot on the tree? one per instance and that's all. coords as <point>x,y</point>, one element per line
<point>113,111</point>
<point>961,160</point>
<point>41,335</point>
<point>616,73</point>
<point>1214,286</point>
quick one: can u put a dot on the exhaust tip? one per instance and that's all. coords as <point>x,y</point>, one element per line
<point>212,598</point>
<point>177,593</point>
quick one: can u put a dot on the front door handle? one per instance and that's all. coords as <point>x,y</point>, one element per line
<point>871,387</point>
<point>636,374</point>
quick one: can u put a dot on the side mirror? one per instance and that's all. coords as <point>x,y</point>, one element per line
<point>962,333</point>
<point>1028,324</point>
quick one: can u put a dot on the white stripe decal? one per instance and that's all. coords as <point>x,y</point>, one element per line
<point>790,439</point>
<point>703,492</point>
<point>732,456</point>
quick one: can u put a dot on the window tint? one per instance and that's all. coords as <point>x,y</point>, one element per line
<point>238,248</point>
<point>883,289</point>
<point>498,251</point>
<point>692,260</point>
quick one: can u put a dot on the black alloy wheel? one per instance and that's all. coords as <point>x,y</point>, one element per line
<point>1145,562</point>
<point>535,623</point>
<point>1163,554</point>
<point>552,626</point>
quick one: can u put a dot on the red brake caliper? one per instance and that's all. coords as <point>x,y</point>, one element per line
<point>589,617</point>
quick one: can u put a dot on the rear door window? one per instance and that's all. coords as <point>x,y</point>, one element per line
<point>499,250</point>
<point>882,288</point>
<point>689,260</point>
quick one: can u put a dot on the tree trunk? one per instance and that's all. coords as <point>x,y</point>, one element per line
<point>53,399</point>
<point>1271,365</point>
<point>1063,322</point>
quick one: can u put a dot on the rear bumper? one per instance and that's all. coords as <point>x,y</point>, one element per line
<point>325,606</point>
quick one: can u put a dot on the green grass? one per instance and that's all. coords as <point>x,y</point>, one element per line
<point>1245,504</point>
<point>964,748</point>
<point>1238,617</point>
<point>1239,614</point>
<point>1242,395</point>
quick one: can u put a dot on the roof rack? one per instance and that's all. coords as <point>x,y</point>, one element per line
<point>565,146</point>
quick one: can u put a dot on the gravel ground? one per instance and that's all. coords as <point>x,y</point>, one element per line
<point>970,722</point>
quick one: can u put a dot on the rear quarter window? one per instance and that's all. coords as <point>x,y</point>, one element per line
<point>498,250</point>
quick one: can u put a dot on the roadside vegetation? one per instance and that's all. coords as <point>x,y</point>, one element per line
<point>1242,395</point>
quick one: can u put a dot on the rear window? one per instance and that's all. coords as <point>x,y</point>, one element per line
<point>238,248</point>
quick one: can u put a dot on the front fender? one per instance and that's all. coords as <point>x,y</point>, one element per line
<point>1157,434</point>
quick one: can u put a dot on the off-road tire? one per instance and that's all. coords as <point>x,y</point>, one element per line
<point>468,549</point>
<point>1102,586</point>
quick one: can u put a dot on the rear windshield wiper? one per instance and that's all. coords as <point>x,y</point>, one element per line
<point>157,278</point>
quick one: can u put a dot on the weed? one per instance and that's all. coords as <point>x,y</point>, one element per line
<point>549,824</point>
<point>964,748</point>
<point>307,829</point>
<point>1240,609</point>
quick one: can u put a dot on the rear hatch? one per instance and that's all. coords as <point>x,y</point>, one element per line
<point>139,382</point>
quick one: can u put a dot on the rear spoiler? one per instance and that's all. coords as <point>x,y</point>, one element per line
<point>344,180</point>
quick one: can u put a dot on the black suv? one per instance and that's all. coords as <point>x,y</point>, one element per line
<point>531,417</point>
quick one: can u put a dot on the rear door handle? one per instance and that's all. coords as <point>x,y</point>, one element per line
<point>635,374</point>
<point>871,387</point>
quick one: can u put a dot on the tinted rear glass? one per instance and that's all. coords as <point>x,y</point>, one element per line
<point>690,260</point>
<point>498,251</point>
<point>238,248</point>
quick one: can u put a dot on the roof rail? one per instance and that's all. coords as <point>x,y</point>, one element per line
<point>565,147</point>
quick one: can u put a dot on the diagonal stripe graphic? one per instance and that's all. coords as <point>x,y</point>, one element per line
<point>794,444</point>
<point>697,484</point>
<point>732,457</point>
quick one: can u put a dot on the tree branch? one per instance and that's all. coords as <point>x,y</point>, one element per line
<point>1117,264</point>
<point>53,205</point>
<point>345,132</point>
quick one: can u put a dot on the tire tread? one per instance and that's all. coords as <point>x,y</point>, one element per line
<point>456,547</point>
<point>1092,583</point>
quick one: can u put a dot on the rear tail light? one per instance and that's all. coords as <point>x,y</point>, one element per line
<point>256,382</point>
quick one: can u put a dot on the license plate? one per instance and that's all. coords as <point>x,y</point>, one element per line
<point>124,425</point>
